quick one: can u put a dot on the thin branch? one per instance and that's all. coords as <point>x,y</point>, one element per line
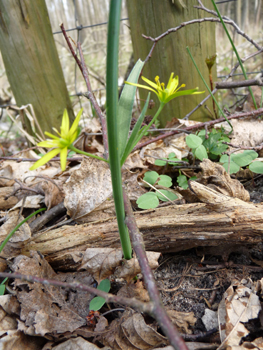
<point>229,21</point>
<point>158,309</point>
<point>238,84</point>
<point>255,113</point>
<point>110,298</point>
<point>94,103</point>
<point>84,70</point>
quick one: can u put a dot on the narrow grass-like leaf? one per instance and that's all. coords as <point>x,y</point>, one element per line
<point>235,50</point>
<point>125,106</point>
<point>135,132</point>
<point>112,123</point>
<point>210,92</point>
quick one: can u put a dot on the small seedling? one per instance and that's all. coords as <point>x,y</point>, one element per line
<point>150,200</point>
<point>2,286</point>
<point>239,160</point>
<point>97,302</point>
<point>171,160</point>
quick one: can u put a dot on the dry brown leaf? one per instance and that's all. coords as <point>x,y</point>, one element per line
<point>53,193</point>
<point>215,177</point>
<point>10,304</point>
<point>21,235</point>
<point>182,320</point>
<point>239,305</point>
<point>130,268</point>
<point>87,188</point>
<point>134,290</point>
<point>132,333</point>
<point>101,262</point>
<point>17,340</point>
<point>76,344</point>
<point>48,309</point>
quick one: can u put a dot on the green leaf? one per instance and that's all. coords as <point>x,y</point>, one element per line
<point>2,289</point>
<point>200,152</point>
<point>245,158</point>
<point>151,177</point>
<point>233,167</point>
<point>134,137</point>
<point>104,285</point>
<point>218,148</point>
<point>148,201</point>
<point>171,155</point>
<point>125,106</point>
<point>165,181</point>
<point>168,194</point>
<point>96,303</point>
<point>224,158</point>
<point>193,141</point>
<point>160,162</point>
<point>182,181</point>
<point>256,167</point>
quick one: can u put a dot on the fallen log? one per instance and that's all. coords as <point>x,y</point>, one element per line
<point>219,221</point>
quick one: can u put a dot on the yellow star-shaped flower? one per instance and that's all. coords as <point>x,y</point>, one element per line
<point>166,94</point>
<point>61,143</point>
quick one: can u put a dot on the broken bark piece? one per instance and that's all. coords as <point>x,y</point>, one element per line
<point>220,221</point>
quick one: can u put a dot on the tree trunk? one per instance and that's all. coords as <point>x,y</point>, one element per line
<point>31,61</point>
<point>151,17</point>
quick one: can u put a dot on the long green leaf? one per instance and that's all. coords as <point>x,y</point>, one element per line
<point>125,106</point>
<point>112,124</point>
<point>135,132</point>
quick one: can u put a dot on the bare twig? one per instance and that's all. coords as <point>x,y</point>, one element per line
<point>110,298</point>
<point>228,21</point>
<point>84,70</point>
<point>238,84</point>
<point>158,309</point>
<point>202,125</point>
<point>94,103</point>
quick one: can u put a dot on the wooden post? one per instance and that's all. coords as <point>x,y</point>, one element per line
<point>31,61</point>
<point>152,18</point>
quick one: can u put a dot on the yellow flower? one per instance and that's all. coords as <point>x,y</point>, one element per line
<point>166,94</point>
<point>60,144</point>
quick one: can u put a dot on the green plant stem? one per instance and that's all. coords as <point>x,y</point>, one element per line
<point>189,52</point>
<point>87,154</point>
<point>235,50</point>
<point>112,125</point>
<point>17,227</point>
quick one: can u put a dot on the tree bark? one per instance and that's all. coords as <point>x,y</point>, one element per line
<point>152,18</point>
<point>32,63</point>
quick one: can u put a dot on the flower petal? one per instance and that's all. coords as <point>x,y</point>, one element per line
<point>48,144</point>
<point>75,124</point>
<point>141,86</point>
<point>152,84</point>
<point>63,158</point>
<point>65,124</point>
<point>51,135</point>
<point>46,158</point>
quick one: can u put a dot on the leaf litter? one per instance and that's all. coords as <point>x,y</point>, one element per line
<point>189,284</point>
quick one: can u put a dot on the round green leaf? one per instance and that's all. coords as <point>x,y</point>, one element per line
<point>193,141</point>
<point>171,155</point>
<point>160,162</point>
<point>96,303</point>
<point>151,177</point>
<point>148,201</point>
<point>201,153</point>
<point>104,285</point>
<point>233,167</point>
<point>165,181</point>
<point>182,181</point>
<point>244,158</point>
<point>223,158</point>
<point>168,194</point>
<point>256,167</point>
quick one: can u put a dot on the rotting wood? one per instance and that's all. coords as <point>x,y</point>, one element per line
<point>219,221</point>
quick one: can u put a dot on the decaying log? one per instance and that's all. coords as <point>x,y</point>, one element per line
<point>219,221</point>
